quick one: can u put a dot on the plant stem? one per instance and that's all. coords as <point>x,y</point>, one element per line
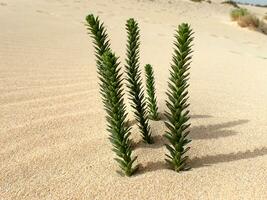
<point>112,95</point>
<point>134,80</point>
<point>178,113</point>
<point>150,89</point>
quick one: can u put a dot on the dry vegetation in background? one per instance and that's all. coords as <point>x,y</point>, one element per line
<point>246,19</point>
<point>232,3</point>
<point>199,1</point>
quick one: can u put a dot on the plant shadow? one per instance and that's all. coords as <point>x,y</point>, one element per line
<point>222,158</point>
<point>158,141</point>
<point>205,161</point>
<point>153,166</point>
<point>213,131</point>
<point>162,117</point>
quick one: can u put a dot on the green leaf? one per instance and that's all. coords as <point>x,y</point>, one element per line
<point>178,114</point>
<point>112,94</point>
<point>136,93</point>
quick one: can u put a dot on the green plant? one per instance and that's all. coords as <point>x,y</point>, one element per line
<point>230,2</point>
<point>99,35</point>
<point>238,12</point>
<point>134,80</point>
<point>178,113</point>
<point>198,1</point>
<point>246,19</point>
<point>150,88</point>
<point>112,95</point>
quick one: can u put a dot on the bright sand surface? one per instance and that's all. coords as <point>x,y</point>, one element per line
<point>53,142</point>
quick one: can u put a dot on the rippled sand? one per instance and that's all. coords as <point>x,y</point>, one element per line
<point>53,142</point>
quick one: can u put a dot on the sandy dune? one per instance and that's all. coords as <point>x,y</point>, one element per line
<point>53,143</point>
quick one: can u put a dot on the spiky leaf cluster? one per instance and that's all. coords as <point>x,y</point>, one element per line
<point>151,96</point>
<point>99,35</point>
<point>112,93</point>
<point>134,80</point>
<point>178,113</point>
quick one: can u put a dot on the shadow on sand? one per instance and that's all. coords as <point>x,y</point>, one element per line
<point>163,118</point>
<point>213,131</point>
<point>206,160</point>
<point>222,158</point>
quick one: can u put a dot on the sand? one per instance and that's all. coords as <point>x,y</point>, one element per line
<point>53,142</point>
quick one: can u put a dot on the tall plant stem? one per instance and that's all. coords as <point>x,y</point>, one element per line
<point>178,113</point>
<point>151,96</point>
<point>112,95</point>
<point>134,80</point>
